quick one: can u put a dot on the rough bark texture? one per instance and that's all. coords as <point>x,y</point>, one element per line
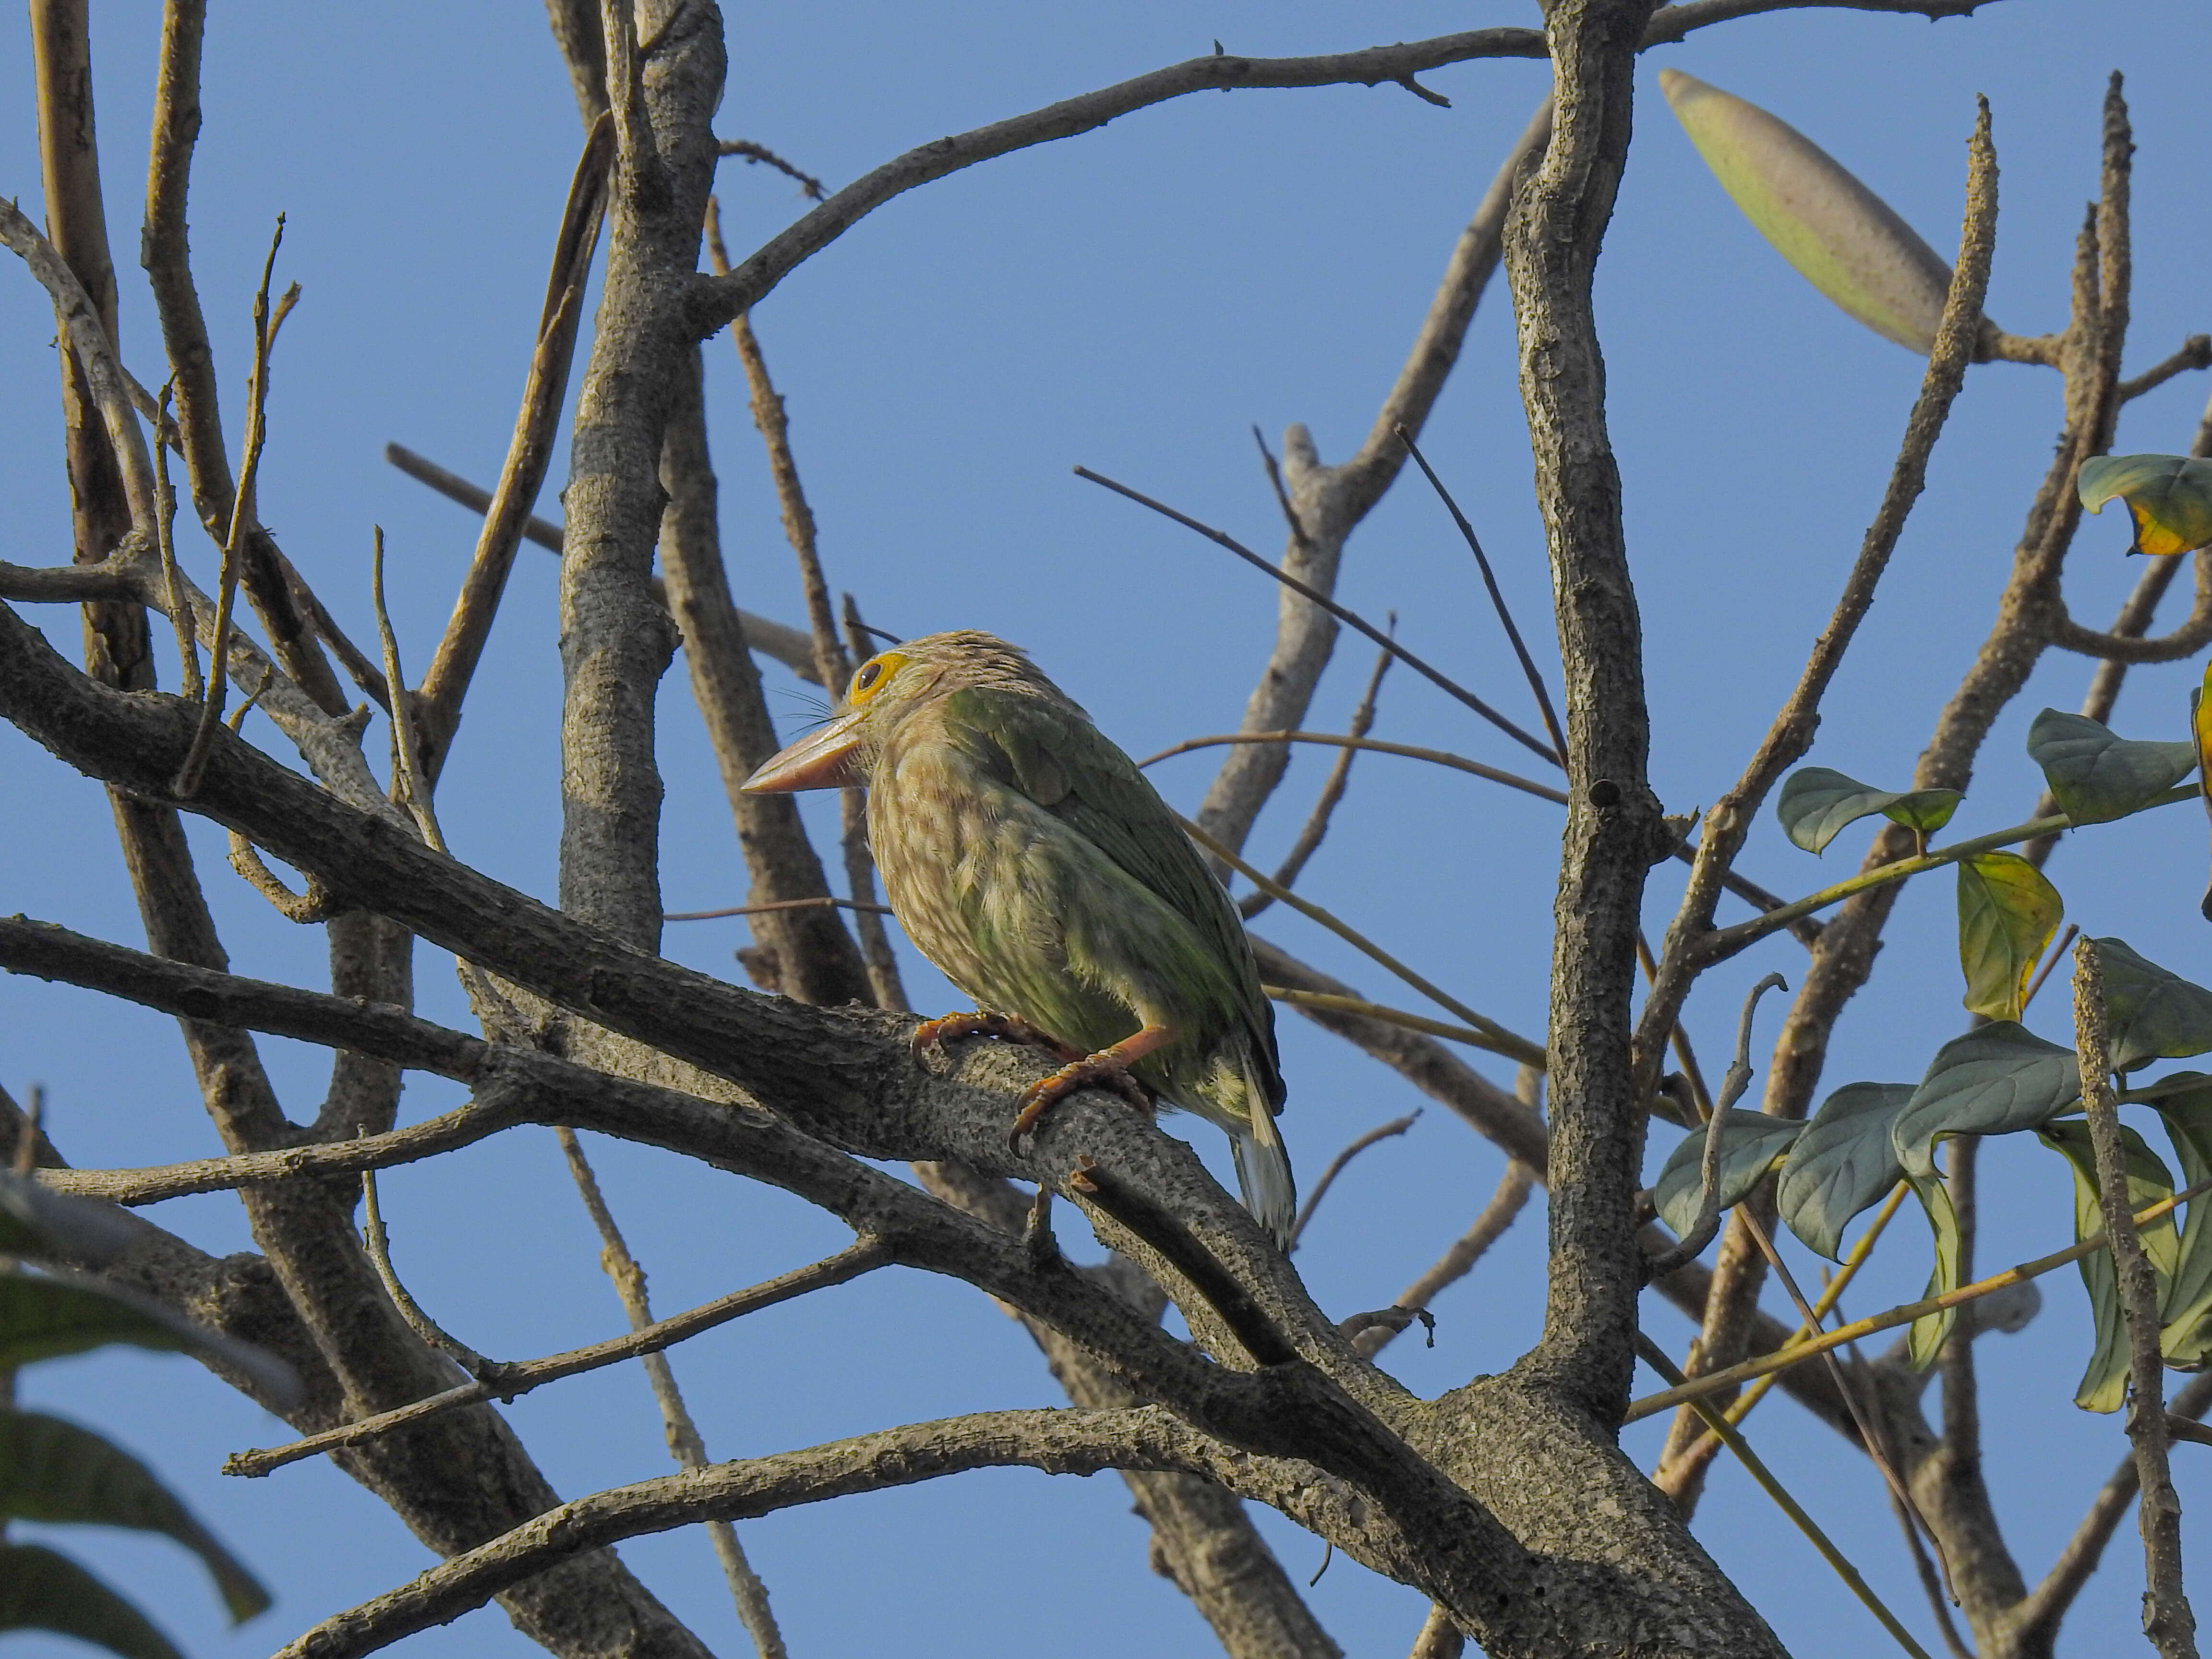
<point>1614,829</point>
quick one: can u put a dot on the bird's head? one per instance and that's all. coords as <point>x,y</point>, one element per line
<point>886,690</point>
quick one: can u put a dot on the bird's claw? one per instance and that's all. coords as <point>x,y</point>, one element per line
<point>1091,1071</point>
<point>1010,1027</point>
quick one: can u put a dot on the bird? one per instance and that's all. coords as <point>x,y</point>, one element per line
<point>1029,858</point>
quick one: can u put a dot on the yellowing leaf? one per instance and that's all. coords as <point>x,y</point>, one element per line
<point>2168,496</point>
<point>1843,239</point>
<point>2007,913</point>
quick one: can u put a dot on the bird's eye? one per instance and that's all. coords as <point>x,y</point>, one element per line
<point>872,674</point>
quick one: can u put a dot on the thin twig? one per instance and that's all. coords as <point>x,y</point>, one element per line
<point>165,525</point>
<point>414,788</point>
<point>529,453</point>
<point>1497,1038</point>
<point>684,1441</point>
<point>2168,1619</point>
<point>241,519</point>
<point>1797,1353</point>
<point>1733,1084</point>
<point>863,1256</point>
<point>1656,1357</point>
<point>1397,1125</point>
<point>1435,756</point>
<point>379,1256</point>
<point>1328,1002</point>
<point>1332,793</point>
<point>1349,617</point>
<point>745,150</point>
<point>1497,1215</point>
<point>1543,695</point>
<point>780,904</point>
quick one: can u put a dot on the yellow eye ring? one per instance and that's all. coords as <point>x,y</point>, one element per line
<point>872,674</point>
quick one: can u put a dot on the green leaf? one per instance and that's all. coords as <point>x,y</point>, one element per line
<point>2007,913</point>
<point>2105,1384</point>
<point>1925,1340</point>
<point>2155,1014</point>
<point>2185,1102</point>
<point>1842,237</point>
<point>2168,496</point>
<point>1751,1143</point>
<point>52,1470</point>
<point>41,1589</point>
<point>52,1313</point>
<point>2095,777</point>
<point>1995,1081</point>
<point>1843,1163</point>
<point>1816,803</point>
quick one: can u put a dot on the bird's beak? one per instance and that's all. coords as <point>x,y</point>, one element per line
<point>827,759</point>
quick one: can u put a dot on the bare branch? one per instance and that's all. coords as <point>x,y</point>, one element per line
<point>1315,596</point>
<point>721,299</point>
<point>746,150</point>
<point>2167,1616</point>
<point>775,641</point>
<point>684,1441</point>
<point>1381,1131</point>
<point>529,451</point>
<point>863,1256</point>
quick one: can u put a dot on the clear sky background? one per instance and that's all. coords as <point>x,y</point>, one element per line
<point>1133,301</point>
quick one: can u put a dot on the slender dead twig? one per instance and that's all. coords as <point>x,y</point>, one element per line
<point>414,788</point>
<point>1317,596</point>
<point>1497,1038</point>
<point>1435,756</point>
<point>774,640</point>
<point>1543,695</point>
<point>164,527</point>
<point>685,1443</point>
<point>1457,1262</point>
<point>1733,1084</point>
<point>379,1247</point>
<point>241,517</point>
<point>1381,1131</point>
<point>2168,1619</point>
<point>760,154</point>
<point>1331,792</point>
<point>529,451</point>
<point>863,1255</point>
<point>778,904</point>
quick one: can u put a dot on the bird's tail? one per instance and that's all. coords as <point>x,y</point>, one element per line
<point>1263,1173</point>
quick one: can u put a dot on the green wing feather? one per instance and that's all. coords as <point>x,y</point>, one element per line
<point>1054,756</point>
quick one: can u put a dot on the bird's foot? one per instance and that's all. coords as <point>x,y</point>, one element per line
<point>1107,1069</point>
<point>1012,1028</point>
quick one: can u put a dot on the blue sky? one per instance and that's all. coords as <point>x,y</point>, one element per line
<point>1132,300</point>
